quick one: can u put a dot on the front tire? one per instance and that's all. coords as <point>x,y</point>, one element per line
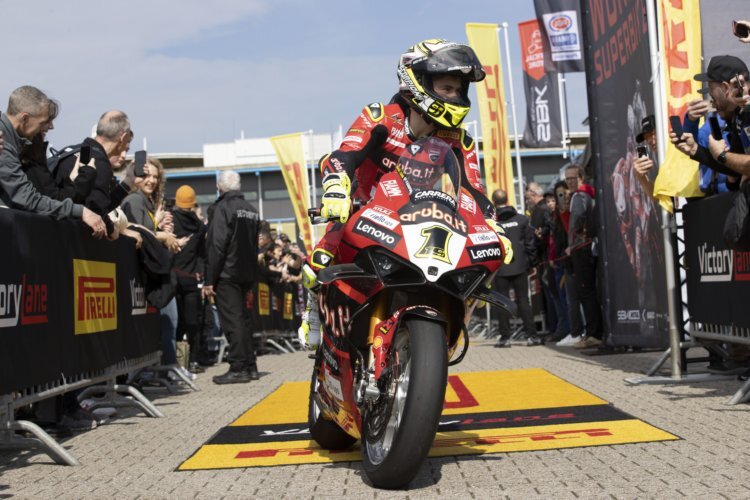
<point>323,431</point>
<point>395,444</point>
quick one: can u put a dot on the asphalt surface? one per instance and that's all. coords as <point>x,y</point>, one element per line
<point>134,456</point>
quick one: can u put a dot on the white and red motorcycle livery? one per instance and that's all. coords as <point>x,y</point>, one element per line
<point>393,308</point>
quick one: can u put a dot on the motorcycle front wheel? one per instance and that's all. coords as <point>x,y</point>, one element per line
<point>400,429</point>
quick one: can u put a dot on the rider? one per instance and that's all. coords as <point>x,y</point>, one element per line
<point>433,99</point>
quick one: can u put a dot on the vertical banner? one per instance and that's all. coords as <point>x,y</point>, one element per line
<point>561,22</point>
<point>631,246</point>
<point>291,155</point>
<point>491,93</point>
<point>681,60</point>
<point>543,120</point>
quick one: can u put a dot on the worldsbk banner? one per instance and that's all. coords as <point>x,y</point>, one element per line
<point>491,93</point>
<point>543,123</point>
<point>718,278</point>
<point>291,155</point>
<point>630,238</point>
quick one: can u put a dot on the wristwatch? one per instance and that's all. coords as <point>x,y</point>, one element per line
<point>722,158</point>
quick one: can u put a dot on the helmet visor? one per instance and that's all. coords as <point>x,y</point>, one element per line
<point>458,59</point>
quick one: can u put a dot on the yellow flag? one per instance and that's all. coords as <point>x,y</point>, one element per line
<point>491,92</point>
<point>291,155</point>
<point>681,59</point>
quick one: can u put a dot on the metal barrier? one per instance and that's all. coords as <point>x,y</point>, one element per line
<point>706,332</point>
<point>9,403</point>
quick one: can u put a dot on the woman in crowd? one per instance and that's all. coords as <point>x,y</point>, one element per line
<point>144,207</point>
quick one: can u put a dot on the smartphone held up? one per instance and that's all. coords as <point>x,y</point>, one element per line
<point>140,163</point>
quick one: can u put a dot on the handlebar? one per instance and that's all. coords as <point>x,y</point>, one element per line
<point>315,218</point>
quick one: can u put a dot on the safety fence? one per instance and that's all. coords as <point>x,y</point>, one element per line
<point>276,312</point>
<point>73,314</point>
<point>718,279</point>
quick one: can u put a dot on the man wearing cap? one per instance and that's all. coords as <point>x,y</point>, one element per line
<point>723,75</point>
<point>188,267</point>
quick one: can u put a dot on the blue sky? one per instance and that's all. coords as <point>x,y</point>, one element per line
<point>191,72</point>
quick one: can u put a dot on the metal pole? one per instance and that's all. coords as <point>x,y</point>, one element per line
<point>667,222</point>
<point>563,111</point>
<point>519,169</point>
<point>260,194</point>
<point>313,193</point>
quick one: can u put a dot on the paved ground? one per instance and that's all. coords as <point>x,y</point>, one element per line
<point>134,456</point>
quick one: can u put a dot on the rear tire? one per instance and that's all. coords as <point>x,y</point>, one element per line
<point>323,431</point>
<point>416,413</point>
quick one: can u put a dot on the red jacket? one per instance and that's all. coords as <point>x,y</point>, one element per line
<point>379,137</point>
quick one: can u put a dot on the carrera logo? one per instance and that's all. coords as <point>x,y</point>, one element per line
<point>436,196</point>
<point>387,238</point>
<point>352,138</point>
<point>560,23</point>
<point>484,253</point>
<point>25,302</point>
<point>380,218</point>
<point>95,296</point>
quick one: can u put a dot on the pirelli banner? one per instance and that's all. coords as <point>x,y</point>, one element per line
<point>718,277</point>
<point>68,303</point>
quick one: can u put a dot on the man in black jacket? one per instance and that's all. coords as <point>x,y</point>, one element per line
<point>108,148</point>
<point>515,273</point>
<point>231,270</point>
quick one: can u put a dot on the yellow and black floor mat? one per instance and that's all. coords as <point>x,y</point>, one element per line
<point>484,412</point>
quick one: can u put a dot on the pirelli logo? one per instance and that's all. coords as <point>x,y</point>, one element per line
<point>95,296</point>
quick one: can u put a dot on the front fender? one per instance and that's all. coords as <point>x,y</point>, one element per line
<point>385,330</point>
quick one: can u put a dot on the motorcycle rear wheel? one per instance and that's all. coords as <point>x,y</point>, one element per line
<point>392,455</point>
<point>323,431</point>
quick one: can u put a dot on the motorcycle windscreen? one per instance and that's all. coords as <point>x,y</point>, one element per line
<point>434,232</point>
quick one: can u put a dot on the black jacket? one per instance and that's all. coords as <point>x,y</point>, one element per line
<point>540,219</point>
<point>521,236</point>
<point>232,240</point>
<point>107,193</point>
<point>190,259</point>
<point>34,163</point>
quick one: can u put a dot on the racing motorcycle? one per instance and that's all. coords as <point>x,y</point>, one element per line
<point>393,310</point>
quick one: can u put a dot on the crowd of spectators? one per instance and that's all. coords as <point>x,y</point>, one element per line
<point>186,252</point>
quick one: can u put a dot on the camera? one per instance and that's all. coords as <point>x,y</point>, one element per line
<point>642,151</point>
<point>169,204</point>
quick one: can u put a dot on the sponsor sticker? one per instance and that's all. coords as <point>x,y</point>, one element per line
<point>138,298</point>
<point>468,203</point>
<point>380,218</point>
<point>431,194</point>
<point>391,188</point>
<point>433,212</point>
<point>23,301</point>
<point>95,296</point>
<point>352,138</point>
<point>486,237</point>
<point>485,253</point>
<point>377,233</point>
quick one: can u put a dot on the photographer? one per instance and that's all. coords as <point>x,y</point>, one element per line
<point>723,76</point>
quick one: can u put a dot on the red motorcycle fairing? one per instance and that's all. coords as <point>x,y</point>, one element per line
<point>382,222</point>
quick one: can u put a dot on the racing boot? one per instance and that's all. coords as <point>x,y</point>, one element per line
<point>309,331</point>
